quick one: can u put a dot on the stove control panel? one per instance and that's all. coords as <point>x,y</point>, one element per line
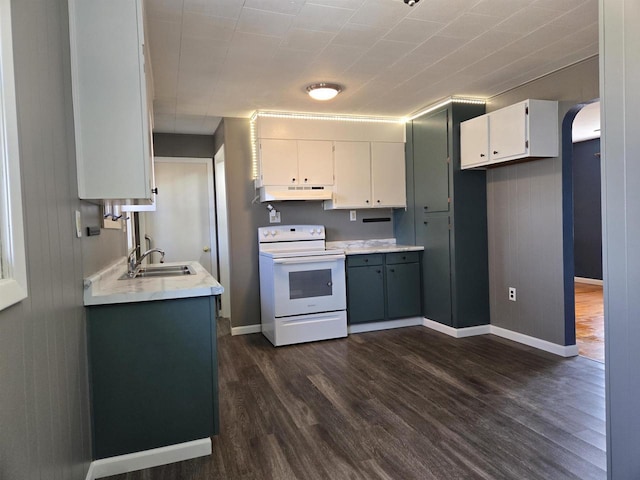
<point>291,233</point>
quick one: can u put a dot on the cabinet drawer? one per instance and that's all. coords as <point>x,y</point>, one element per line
<point>364,260</point>
<point>403,257</point>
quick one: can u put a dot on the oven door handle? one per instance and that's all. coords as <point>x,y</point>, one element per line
<point>314,259</point>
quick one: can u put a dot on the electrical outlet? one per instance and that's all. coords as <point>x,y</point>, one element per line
<point>274,216</point>
<point>512,294</point>
<point>352,215</point>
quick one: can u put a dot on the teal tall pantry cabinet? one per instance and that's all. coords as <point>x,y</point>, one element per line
<point>447,214</point>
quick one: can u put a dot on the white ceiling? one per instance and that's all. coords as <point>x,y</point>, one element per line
<point>227,58</point>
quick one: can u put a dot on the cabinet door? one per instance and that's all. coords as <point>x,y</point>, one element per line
<point>403,290</point>
<point>278,162</point>
<point>474,142</point>
<point>433,233</point>
<point>508,132</point>
<point>365,294</point>
<point>315,162</point>
<point>112,131</point>
<point>431,169</point>
<point>352,187</point>
<point>388,180</point>
<point>153,368</point>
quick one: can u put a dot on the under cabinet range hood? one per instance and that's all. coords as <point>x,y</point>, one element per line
<point>273,193</point>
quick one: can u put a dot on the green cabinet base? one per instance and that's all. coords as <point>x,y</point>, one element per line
<point>153,374</point>
<point>383,287</point>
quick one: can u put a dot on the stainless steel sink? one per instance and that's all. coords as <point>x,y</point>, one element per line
<point>154,271</point>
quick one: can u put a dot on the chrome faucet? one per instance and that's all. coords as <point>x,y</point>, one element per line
<point>133,265</point>
<point>149,252</point>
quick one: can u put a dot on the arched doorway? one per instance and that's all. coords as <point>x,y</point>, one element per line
<point>582,229</point>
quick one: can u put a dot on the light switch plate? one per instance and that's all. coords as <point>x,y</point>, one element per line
<point>78,224</point>
<point>352,215</point>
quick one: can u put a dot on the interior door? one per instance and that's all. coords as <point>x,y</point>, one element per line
<point>183,223</point>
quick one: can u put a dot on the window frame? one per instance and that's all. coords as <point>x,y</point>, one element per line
<point>13,265</point>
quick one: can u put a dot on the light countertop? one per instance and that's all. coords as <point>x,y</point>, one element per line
<point>382,245</point>
<point>105,288</point>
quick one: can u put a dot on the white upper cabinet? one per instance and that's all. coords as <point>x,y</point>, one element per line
<point>295,162</point>
<point>474,142</point>
<point>111,100</point>
<point>508,137</point>
<point>368,175</point>
<point>388,180</point>
<point>528,129</point>
<point>278,162</point>
<point>352,188</point>
<point>315,162</point>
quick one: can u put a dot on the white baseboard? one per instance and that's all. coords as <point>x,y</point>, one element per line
<point>374,326</point>
<point>457,332</point>
<point>131,462</point>
<point>246,329</point>
<point>562,350</point>
<point>590,281</point>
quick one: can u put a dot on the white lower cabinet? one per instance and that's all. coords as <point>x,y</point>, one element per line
<point>368,175</point>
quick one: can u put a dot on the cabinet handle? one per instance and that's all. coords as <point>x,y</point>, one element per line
<point>367,201</point>
<point>426,208</point>
<point>495,152</point>
<point>378,201</point>
<point>366,260</point>
<point>378,271</point>
<point>154,190</point>
<point>305,180</point>
<point>426,223</point>
<point>392,270</point>
<point>482,154</point>
<point>293,180</point>
<point>404,258</point>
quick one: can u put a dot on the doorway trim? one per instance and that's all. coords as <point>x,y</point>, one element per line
<point>213,253</point>
<point>567,223</point>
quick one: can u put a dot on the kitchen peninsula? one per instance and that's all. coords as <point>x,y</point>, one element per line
<point>153,359</point>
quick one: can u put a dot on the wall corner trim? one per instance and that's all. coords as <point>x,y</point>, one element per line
<point>589,281</point>
<point>457,332</point>
<point>561,350</point>
<point>130,462</point>
<point>375,326</point>
<point>246,329</point>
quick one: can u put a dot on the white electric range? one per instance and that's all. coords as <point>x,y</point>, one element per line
<point>302,285</point>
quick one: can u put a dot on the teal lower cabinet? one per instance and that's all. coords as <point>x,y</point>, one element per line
<point>153,374</point>
<point>383,287</point>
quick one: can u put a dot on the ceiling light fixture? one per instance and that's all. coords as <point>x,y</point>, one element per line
<point>323,91</point>
<point>411,3</point>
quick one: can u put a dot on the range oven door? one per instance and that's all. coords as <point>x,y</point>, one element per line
<point>310,284</point>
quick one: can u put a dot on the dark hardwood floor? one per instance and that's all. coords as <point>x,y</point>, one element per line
<point>401,404</point>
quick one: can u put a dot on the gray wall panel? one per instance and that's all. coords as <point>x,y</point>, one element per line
<point>183,145</point>
<point>44,400</point>
<point>620,71</point>
<point>525,218</point>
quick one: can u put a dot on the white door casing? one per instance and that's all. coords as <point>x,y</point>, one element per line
<point>222,226</point>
